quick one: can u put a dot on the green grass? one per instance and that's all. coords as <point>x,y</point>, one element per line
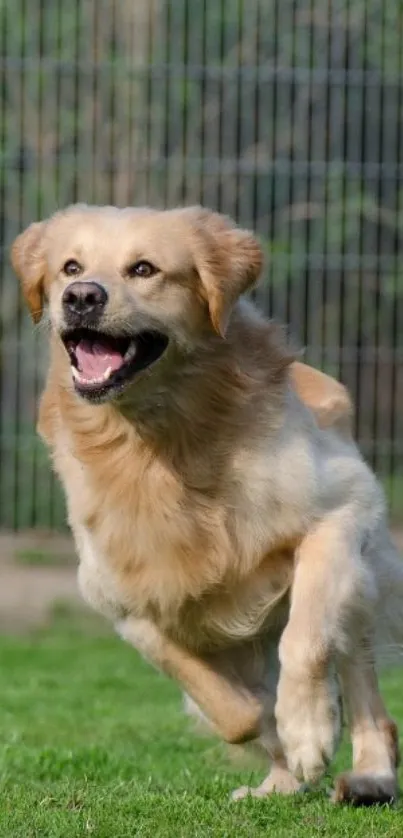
<point>36,557</point>
<point>393,488</point>
<point>93,743</point>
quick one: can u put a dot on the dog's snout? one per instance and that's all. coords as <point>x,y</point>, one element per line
<point>83,299</point>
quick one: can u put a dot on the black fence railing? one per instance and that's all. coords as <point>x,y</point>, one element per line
<point>286,114</point>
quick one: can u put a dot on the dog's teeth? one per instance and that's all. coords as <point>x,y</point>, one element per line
<point>81,378</point>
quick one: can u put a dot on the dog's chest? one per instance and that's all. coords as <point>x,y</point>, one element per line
<point>149,547</point>
<point>231,611</point>
<point>143,539</point>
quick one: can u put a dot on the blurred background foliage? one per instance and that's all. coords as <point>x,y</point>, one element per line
<point>286,114</point>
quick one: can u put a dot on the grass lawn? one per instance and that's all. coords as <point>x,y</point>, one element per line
<point>94,743</point>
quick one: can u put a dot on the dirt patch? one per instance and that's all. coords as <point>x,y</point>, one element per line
<point>30,589</point>
<point>38,570</point>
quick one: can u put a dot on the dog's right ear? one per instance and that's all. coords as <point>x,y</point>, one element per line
<point>29,264</point>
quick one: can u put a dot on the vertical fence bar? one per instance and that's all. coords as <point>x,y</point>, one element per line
<point>274,233</point>
<point>309,285</point>
<point>255,104</point>
<point>247,137</point>
<point>14,413</point>
<point>29,474</point>
<point>9,294</point>
<point>3,231</point>
<point>326,267</point>
<point>342,118</point>
<point>394,429</point>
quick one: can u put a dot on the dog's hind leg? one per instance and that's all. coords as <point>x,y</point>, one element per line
<point>374,736</point>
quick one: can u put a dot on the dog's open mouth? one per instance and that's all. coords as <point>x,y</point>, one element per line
<point>102,364</point>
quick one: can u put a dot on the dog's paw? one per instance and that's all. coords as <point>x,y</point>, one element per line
<point>308,724</point>
<point>279,781</point>
<point>365,789</point>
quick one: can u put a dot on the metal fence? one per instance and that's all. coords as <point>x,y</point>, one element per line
<point>286,114</point>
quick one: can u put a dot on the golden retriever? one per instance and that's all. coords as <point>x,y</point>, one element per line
<point>224,519</point>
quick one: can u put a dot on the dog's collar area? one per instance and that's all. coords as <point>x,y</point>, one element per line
<point>102,364</point>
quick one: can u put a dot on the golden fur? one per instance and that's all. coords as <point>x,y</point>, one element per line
<point>223,516</point>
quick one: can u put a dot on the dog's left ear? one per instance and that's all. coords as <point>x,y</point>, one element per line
<point>228,261</point>
<point>28,261</point>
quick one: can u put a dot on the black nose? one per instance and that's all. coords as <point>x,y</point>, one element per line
<point>84,298</point>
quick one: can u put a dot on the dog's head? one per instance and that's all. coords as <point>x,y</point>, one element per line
<point>123,285</point>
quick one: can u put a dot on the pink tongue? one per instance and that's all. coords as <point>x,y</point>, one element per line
<point>94,358</point>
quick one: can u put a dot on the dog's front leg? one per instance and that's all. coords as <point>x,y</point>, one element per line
<point>332,590</point>
<point>234,711</point>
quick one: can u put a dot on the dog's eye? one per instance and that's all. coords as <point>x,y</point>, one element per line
<point>72,268</point>
<point>142,268</point>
